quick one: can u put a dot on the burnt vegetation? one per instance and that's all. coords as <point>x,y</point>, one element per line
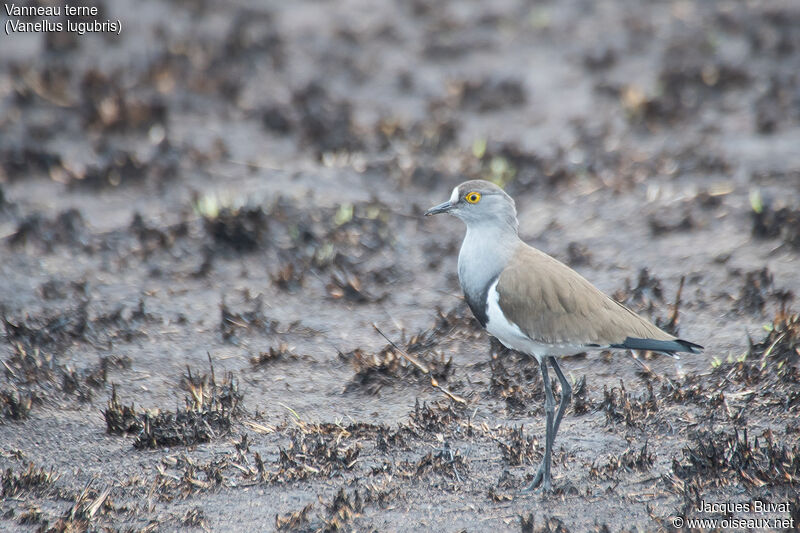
<point>772,365</point>
<point>415,358</point>
<point>719,458</point>
<point>515,378</point>
<point>771,222</point>
<point>253,187</point>
<point>631,460</point>
<point>210,408</point>
<point>519,449</point>
<point>620,406</point>
<point>314,452</point>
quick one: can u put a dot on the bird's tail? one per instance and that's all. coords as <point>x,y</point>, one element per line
<point>670,347</point>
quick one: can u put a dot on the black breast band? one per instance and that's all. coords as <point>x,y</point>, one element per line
<point>479,303</point>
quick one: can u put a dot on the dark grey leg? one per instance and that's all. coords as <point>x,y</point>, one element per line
<point>543,474</point>
<point>566,394</point>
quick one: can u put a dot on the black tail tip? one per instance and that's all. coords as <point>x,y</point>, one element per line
<point>690,346</point>
<point>677,345</point>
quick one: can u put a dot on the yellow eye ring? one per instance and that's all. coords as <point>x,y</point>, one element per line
<point>473,197</point>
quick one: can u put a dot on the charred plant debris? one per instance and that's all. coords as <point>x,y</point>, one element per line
<point>56,289</point>
<point>253,320</point>
<point>181,428</point>
<point>758,288</point>
<point>20,162</point>
<point>621,406</point>
<point>414,358</point>
<point>108,107</point>
<point>492,94</point>
<point>206,393</point>
<point>781,347</point>
<point>343,509</point>
<point>771,223</point>
<point>764,378</point>
<point>208,413</point>
<point>338,515</point>
<point>83,382</point>
<point>551,525</point>
<point>152,238</point>
<point>773,361</point>
<point>242,229</point>
<point>647,296</point>
<point>312,454</point>
<point>520,170</point>
<point>121,419</point>
<point>386,439</point>
<point>519,449</point>
<point>289,276</point>
<point>581,403</point>
<point>442,417</point>
<point>325,123</point>
<point>182,475</point>
<point>295,521</point>
<point>323,450</point>
<point>629,461</point>
<point>67,229</point>
<point>16,404</point>
<point>116,168</point>
<point>688,80</point>
<point>195,476</point>
<point>280,353</point>
<point>28,368</point>
<point>578,254</point>
<point>445,461</point>
<point>34,372</point>
<point>681,391</point>
<point>341,241</point>
<point>644,295</point>
<point>88,504</point>
<point>719,458</point>
<point>515,378</point>
<point>313,451</point>
<point>374,371</point>
<point>50,330</point>
<point>346,285</point>
<point>32,479</point>
<point>195,517</point>
<point>113,166</point>
<point>57,329</point>
<point>755,290</point>
<point>678,222</point>
<point>504,489</point>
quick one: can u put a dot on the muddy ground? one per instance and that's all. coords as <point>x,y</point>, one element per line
<point>208,222</point>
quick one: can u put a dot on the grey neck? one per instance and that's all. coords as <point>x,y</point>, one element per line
<point>485,252</point>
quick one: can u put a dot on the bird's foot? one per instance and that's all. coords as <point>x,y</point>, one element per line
<point>541,482</point>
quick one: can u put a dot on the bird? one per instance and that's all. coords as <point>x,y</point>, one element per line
<point>537,305</point>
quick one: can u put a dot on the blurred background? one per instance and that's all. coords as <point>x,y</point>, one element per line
<point>244,181</point>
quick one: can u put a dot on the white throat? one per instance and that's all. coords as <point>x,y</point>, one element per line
<point>484,253</point>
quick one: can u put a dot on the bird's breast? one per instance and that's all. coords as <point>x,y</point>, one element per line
<point>483,255</point>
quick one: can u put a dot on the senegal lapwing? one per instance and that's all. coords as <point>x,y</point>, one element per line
<point>535,304</point>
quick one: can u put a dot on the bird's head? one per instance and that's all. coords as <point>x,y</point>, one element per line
<point>479,202</point>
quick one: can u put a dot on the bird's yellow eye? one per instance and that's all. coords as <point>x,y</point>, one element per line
<point>473,197</point>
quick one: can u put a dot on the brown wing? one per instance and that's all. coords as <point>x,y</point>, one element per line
<point>552,303</point>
